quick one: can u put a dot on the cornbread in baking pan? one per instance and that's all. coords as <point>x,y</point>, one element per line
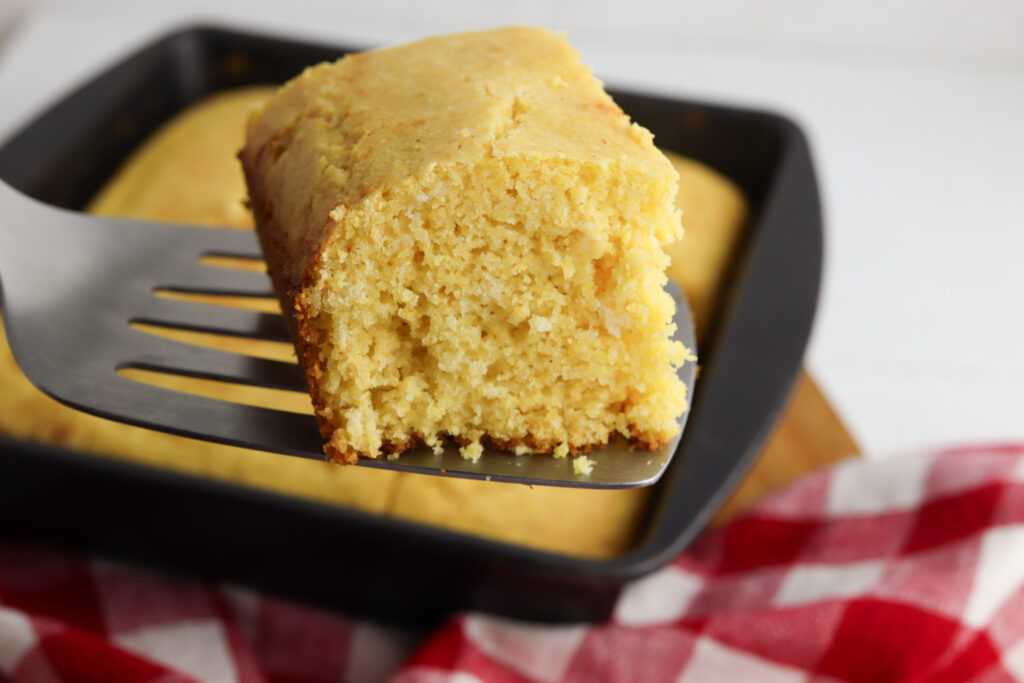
<point>161,183</point>
<point>187,172</point>
<point>714,211</point>
<point>467,236</point>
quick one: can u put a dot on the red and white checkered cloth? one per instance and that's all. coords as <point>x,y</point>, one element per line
<point>902,569</point>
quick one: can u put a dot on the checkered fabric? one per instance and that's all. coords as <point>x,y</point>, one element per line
<point>900,569</point>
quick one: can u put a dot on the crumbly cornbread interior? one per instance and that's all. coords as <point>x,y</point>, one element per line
<point>468,233</point>
<point>187,172</point>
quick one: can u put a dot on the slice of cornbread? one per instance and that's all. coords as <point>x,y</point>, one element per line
<point>466,234</point>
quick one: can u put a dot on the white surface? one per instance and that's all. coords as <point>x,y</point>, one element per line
<point>999,574</point>
<point>657,598</point>
<point>807,583</point>
<point>19,636</point>
<point>714,661</point>
<point>196,647</point>
<point>915,112</point>
<point>866,491</point>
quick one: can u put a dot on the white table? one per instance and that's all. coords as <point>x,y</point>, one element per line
<point>919,145</point>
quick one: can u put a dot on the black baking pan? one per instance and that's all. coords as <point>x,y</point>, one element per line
<point>385,568</point>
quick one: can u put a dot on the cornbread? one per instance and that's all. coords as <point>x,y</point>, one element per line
<point>714,210</point>
<point>150,185</point>
<point>598,524</point>
<point>466,234</point>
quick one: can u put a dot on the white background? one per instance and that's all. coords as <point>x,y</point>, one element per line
<point>915,112</point>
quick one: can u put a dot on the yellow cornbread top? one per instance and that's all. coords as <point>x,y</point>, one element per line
<point>510,93</point>
<point>160,183</point>
<point>714,212</point>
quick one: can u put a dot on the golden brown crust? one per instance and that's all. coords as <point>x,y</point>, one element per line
<point>305,336</point>
<point>489,442</point>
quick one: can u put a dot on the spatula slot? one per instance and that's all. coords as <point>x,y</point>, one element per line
<point>261,397</point>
